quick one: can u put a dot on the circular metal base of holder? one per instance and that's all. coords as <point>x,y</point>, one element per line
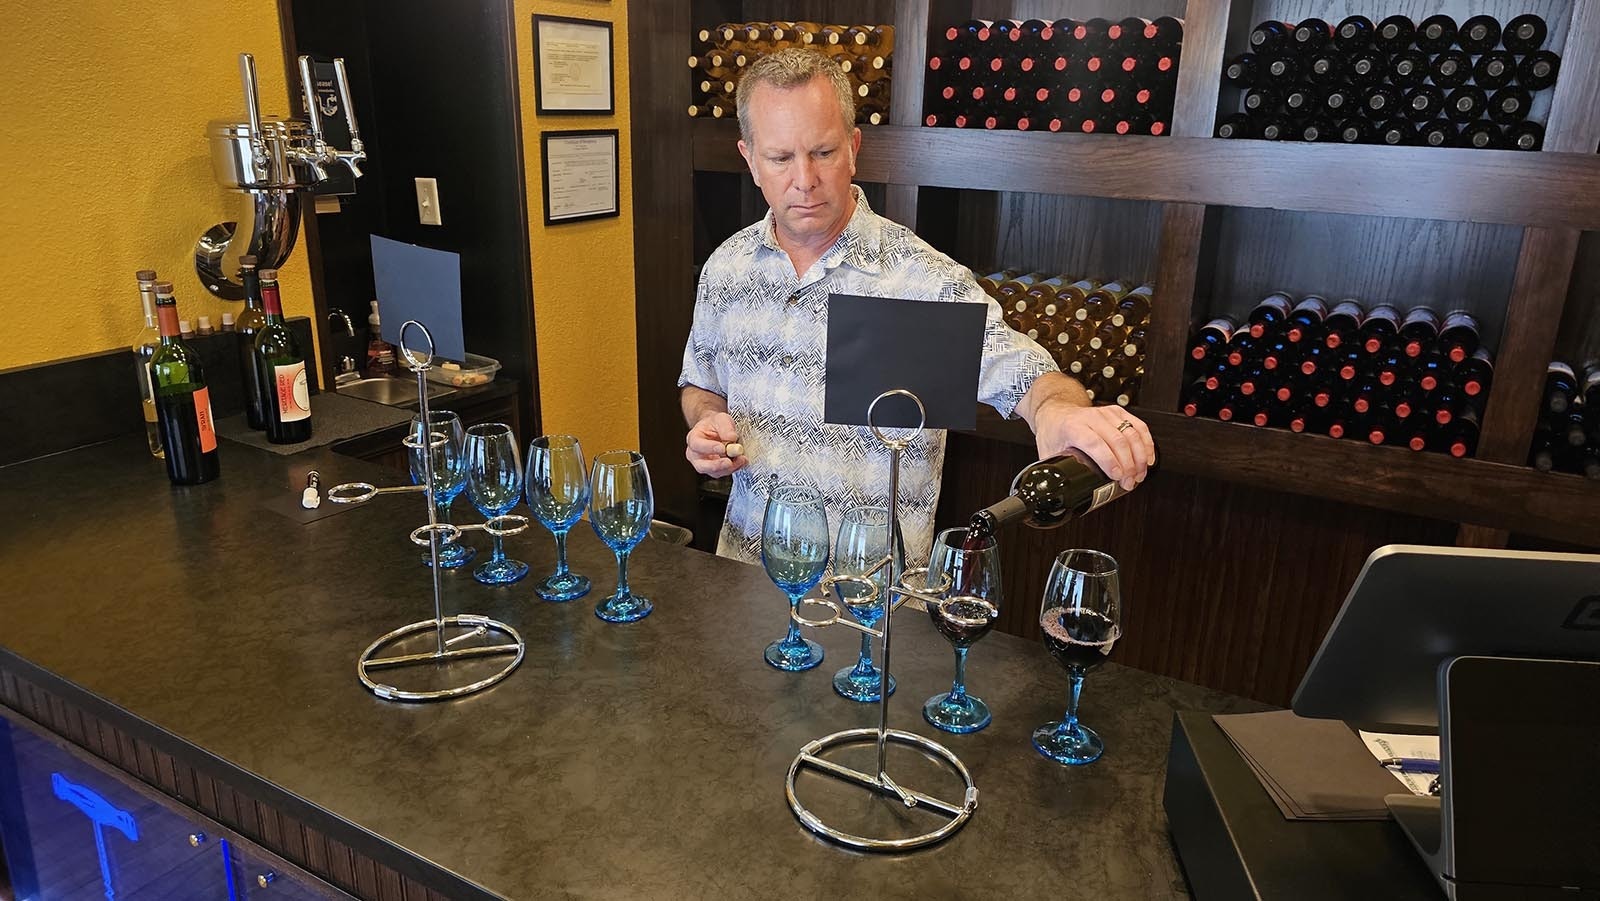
<point>809,757</point>
<point>475,626</point>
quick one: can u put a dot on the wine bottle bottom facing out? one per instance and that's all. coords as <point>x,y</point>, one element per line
<point>188,435</point>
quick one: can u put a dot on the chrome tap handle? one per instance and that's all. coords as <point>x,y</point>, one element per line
<point>252,108</point>
<point>308,91</point>
<point>342,79</point>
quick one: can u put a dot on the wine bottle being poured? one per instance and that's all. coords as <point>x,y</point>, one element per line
<point>1047,494</point>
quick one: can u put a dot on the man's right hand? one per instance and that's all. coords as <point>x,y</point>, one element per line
<point>708,442</point>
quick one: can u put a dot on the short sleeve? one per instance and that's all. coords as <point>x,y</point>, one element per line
<point>1011,360</point>
<point>700,353</point>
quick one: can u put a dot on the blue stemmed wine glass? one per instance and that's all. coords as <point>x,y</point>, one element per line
<point>449,476</point>
<point>558,492</point>
<point>620,514</point>
<point>1081,617</point>
<point>494,485</point>
<point>794,549</point>
<point>862,543</point>
<point>967,613</point>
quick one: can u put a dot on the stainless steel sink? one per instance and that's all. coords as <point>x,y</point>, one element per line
<point>393,392</point>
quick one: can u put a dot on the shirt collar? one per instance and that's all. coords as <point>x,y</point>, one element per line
<point>856,247</point>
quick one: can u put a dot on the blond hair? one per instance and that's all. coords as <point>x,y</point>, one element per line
<point>791,68</point>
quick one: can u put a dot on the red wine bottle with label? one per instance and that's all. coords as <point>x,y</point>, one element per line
<point>1050,493</point>
<point>183,402</point>
<point>281,368</point>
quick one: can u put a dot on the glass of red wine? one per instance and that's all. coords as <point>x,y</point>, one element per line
<point>971,560</point>
<point>1081,617</point>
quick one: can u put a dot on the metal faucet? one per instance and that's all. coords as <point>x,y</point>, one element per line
<point>347,371</point>
<point>349,325</point>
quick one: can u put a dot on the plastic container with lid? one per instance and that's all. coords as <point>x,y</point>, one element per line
<point>473,371</point>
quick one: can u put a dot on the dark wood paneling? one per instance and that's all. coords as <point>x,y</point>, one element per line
<point>1208,31</point>
<point>1579,338</point>
<point>1575,107</point>
<point>1406,262</point>
<point>1104,239</point>
<point>1552,189</point>
<point>1544,270</point>
<point>1183,251</point>
<point>1230,586</point>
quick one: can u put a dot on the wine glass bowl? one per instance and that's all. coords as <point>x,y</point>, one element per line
<point>794,550</point>
<point>966,562</point>
<point>494,485</point>
<point>558,493</point>
<point>620,512</point>
<point>1081,619</point>
<point>862,544</point>
<point>439,447</point>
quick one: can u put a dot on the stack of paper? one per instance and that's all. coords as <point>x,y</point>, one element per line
<point>1314,769</point>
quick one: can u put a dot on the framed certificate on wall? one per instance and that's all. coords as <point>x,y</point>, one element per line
<point>581,175</point>
<point>572,66</point>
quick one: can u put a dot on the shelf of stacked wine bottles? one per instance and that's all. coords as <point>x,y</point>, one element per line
<point>1568,436</point>
<point>1417,380</point>
<point>1432,83</point>
<point>1095,331</point>
<point>1093,76</point>
<point>722,54</point>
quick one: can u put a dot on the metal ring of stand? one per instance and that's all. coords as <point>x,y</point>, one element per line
<point>882,783</point>
<point>432,535</point>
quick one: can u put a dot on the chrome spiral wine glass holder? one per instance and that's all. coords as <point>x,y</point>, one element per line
<point>900,590</point>
<point>447,648</point>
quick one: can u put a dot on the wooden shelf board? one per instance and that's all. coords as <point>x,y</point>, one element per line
<point>1496,495</point>
<point>1498,186</point>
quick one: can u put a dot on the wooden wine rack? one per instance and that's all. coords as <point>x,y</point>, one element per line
<point>1516,216</point>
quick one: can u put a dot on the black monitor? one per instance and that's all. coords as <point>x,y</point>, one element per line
<point>1414,607</point>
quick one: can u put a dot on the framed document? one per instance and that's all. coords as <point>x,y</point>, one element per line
<point>572,66</point>
<point>580,175</point>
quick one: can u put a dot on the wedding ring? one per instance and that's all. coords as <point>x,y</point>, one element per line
<point>1124,426</point>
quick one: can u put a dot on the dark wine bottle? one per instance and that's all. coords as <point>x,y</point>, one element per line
<point>1459,336</point>
<point>1365,394</point>
<point>1423,102</point>
<point>1481,136</point>
<point>1479,34</point>
<point>1475,373</point>
<point>1436,34</point>
<point>1275,128</point>
<point>1242,347</point>
<point>1339,101</point>
<point>1269,313</point>
<point>249,324</point>
<point>1450,69</point>
<point>1440,133</point>
<point>1355,32</point>
<point>1300,100</point>
<point>1342,324</point>
<point>1381,102</point>
<point>1431,371</point>
<point>1396,33</point>
<point>1284,69</point>
<point>1243,71</point>
<point>1358,131</point>
<point>1270,37</point>
<point>1367,67</point>
<point>1304,324</point>
<point>1397,132</point>
<point>1239,408</point>
<point>1199,400</point>
<point>1164,32</point>
<point>1237,125</point>
<point>183,401</point>
<point>1212,338</point>
<point>1465,104</point>
<point>1262,101</point>
<point>1381,326</point>
<point>1419,329</point>
<point>1570,427</point>
<point>1509,106</point>
<point>1050,493</point>
<point>281,368</point>
<point>1326,68</point>
<point>1538,71</point>
<point>1525,34</point>
<point>1494,69</point>
<point>1092,35</point>
<point>1310,36</point>
<point>1542,455</point>
<point>1408,68</point>
<point>1560,387</point>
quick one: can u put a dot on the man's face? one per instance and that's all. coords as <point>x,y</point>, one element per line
<point>802,157</point>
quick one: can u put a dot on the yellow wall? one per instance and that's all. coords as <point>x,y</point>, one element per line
<point>103,108</point>
<point>583,271</point>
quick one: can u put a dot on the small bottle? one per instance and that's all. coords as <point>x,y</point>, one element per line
<point>185,329</point>
<point>144,348</point>
<point>183,400</point>
<point>381,360</point>
<point>203,326</point>
<point>227,322</point>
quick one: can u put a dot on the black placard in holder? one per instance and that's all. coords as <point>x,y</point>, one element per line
<point>930,348</point>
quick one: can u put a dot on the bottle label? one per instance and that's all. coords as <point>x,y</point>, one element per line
<point>1314,304</point>
<point>1280,302</point>
<point>204,419</point>
<point>1349,308</point>
<point>294,395</point>
<point>1422,315</point>
<point>1460,319</point>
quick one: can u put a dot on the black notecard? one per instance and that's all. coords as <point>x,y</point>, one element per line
<point>930,348</point>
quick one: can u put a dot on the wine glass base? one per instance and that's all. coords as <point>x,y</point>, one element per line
<point>565,587</point>
<point>801,655</point>
<point>501,572</point>
<point>1075,746</point>
<point>452,556</point>
<point>860,686</point>
<point>626,608</point>
<point>961,717</point>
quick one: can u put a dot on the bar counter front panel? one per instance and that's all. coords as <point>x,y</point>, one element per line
<point>641,760</point>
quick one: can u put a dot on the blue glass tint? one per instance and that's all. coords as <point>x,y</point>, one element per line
<point>968,611</point>
<point>620,513</point>
<point>1081,619</point>
<point>794,549</point>
<point>494,484</point>
<point>449,476</point>
<point>862,543</point>
<point>558,493</point>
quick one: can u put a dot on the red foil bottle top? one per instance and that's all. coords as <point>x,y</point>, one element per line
<point>1416,443</point>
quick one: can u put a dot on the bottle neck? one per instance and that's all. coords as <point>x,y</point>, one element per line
<point>147,297</point>
<point>271,304</point>
<point>1000,514</point>
<point>252,289</point>
<point>167,316</point>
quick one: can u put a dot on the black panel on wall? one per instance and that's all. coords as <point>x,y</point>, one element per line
<point>441,86</point>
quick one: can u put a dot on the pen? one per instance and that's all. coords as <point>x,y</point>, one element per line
<point>1411,764</point>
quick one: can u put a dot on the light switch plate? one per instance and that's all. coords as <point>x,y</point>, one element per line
<point>428,201</point>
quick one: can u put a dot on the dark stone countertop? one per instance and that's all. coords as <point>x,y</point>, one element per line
<point>641,761</point>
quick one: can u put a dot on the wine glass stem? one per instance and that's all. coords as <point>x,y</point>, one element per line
<point>561,552</point>
<point>864,665</point>
<point>793,637</point>
<point>622,574</point>
<point>1070,721</point>
<point>442,508</point>
<point>499,550</point>
<point>958,691</point>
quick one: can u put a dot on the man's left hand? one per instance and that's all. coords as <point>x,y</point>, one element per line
<point>1114,438</point>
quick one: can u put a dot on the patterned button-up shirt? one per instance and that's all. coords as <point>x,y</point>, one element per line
<point>760,340</point>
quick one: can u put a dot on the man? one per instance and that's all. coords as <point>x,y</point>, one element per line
<point>753,370</point>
